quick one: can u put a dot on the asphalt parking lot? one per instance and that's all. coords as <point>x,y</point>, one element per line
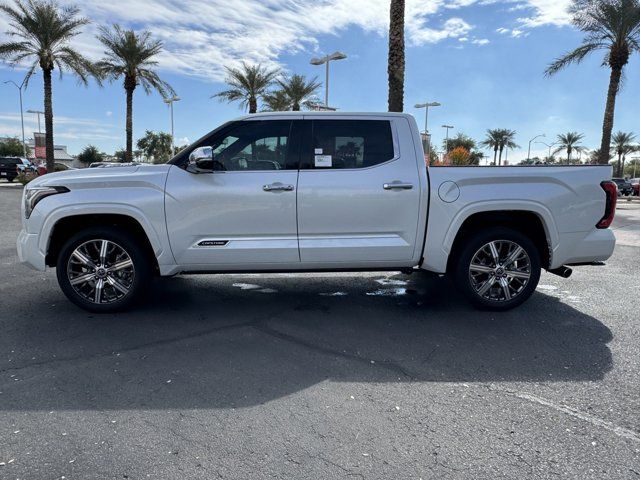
<point>373,376</point>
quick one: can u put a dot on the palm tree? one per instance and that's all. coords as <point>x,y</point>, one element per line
<point>492,141</point>
<point>276,101</point>
<point>622,145</point>
<point>130,55</point>
<point>505,140</point>
<point>42,31</point>
<point>247,83</point>
<point>298,89</point>
<point>570,142</point>
<point>613,26</point>
<point>395,67</point>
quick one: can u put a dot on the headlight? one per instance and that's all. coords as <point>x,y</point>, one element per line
<point>33,195</point>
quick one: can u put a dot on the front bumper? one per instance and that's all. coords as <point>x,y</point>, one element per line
<point>29,252</point>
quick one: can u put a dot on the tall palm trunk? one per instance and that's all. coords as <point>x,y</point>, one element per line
<point>48,121</point>
<point>495,154</point>
<point>568,154</point>
<point>500,156</point>
<point>607,123</point>
<point>253,105</point>
<point>395,68</point>
<point>129,126</point>
<point>295,107</point>
<point>129,87</point>
<point>619,174</point>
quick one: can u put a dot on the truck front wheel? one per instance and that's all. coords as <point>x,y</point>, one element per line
<point>497,268</point>
<point>103,269</point>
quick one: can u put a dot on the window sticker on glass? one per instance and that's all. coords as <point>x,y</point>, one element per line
<point>319,151</point>
<point>323,161</point>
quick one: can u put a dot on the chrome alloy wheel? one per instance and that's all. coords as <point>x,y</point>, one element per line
<point>500,270</point>
<point>100,271</point>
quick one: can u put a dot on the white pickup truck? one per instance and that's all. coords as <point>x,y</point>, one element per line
<point>305,191</point>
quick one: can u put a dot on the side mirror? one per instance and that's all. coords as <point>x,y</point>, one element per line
<point>201,160</point>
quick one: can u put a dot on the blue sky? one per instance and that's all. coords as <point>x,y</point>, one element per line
<point>483,60</point>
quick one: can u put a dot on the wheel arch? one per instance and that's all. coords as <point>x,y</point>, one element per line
<point>527,222</point>
<point>67,226</point>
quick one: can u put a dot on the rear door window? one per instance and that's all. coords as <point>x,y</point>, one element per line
<point>348,144</point>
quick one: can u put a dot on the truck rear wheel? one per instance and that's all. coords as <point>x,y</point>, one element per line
<point>497,269</point>
<point>103,269</point>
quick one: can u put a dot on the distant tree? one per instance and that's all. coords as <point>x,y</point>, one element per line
<point>570,142</point>
<point>41,32</point>
<point>506,141</point>
<point>12,147</point>
<point>434,158</point>
<point>458,156</point>
<point>178,148</point>
<point>594,156</point>
<point>469,144</point>
<point>612,26</point>
<point>120,155</point>
<point>632,169</point>
<point>623,144</point>
<point>130,55</point>
<point>492,141</point>
<point>247,84</point>
<point>156,147</point>
<point>298,89</point>
<point>90,154</point>
<point>395,62</point>
<point>276,101</point>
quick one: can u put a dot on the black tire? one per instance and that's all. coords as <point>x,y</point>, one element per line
<point>469,286</point>
<point>10,179</point>
<point>136,282</point>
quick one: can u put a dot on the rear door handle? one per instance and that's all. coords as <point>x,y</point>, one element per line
<point>397,186</point>
<point>277,187</point>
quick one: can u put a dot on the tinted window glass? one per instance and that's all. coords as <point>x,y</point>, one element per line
<point>349,144</point>
<point>9,161</point>
<point>252,146</point>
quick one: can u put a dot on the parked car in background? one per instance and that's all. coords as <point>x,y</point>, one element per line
<point>351,192</point>
<point>112,164</point>
<point>624,187</point>
<point>635,186</point>
<point>10,167</point>
<point>58,167</point>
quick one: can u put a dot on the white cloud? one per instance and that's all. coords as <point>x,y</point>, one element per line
<point>68,128</point>
<point>481,41</point>
<point>203,36</point>
<point>547,12</point>
<point>108,113</point>
<point>503,30</point>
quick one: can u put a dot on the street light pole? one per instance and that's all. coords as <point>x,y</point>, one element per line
<point>170,102</point>
<point>548,145</point>
<point>446,140</point>
<point>20,87</point>
<point>37,112</point>
<point>426,106</point>
<point>529,151</point>
<point>325,60</point>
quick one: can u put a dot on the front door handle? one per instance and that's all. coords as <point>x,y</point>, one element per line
<point>277,187</point>
<point>398,186</point>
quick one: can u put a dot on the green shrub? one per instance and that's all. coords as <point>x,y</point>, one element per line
<point>26,177</point>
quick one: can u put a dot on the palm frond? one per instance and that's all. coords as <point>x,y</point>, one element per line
<point>575,56</point>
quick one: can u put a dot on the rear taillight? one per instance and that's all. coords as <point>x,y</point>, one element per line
<point>611,191</point>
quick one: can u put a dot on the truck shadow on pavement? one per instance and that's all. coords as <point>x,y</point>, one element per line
<point>235,341</point>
